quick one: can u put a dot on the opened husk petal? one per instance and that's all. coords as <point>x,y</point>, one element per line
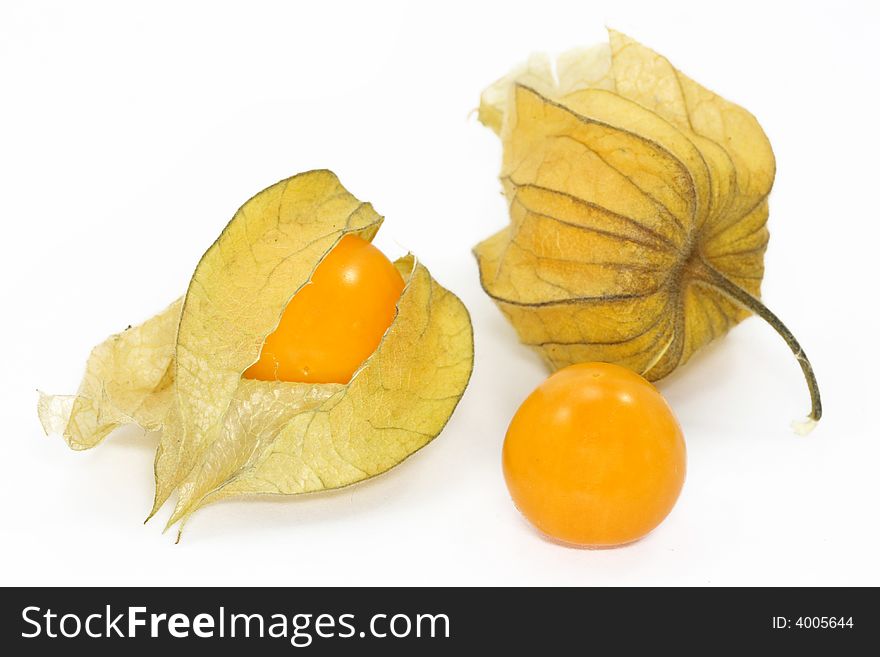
<point>346,434</point>
<point>128,379</point>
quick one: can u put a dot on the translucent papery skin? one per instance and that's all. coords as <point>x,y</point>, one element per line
<point>222,435</point>
<point>627,182</point>
<point>129,379</point>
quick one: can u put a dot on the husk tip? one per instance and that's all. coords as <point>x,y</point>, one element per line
<point>153,511</point>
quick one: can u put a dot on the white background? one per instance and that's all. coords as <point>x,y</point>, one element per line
<point>130,133</point>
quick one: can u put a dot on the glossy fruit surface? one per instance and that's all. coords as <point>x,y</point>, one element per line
<point>594,456</point>
<point>334,322</point>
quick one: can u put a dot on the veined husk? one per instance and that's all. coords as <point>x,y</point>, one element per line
<point>223,436</point>
<point>638,211</point>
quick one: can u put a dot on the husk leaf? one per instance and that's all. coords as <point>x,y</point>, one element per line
<point>222,435</point>
<point>638,211</point>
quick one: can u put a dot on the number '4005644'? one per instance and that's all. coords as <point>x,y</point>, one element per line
<point>823,622</point>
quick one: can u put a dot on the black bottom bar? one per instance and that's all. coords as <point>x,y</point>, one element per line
<point>436,621</point>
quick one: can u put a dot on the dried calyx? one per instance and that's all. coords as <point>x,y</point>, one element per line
<point>224,436</point>
<point>638,211</point>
